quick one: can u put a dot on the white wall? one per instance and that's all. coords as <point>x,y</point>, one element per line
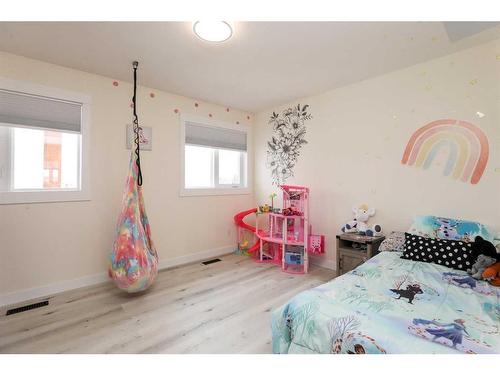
<point>358,134</point>
<point>49,243</point>
<point>356,140</point>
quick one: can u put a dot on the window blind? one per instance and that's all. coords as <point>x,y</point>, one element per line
<point>209,136</point>
<point>39,112</point>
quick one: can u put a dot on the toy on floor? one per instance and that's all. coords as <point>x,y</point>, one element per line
<point>481,264</point>
<point>286,240</point>
<point>481,246</point>
<point>359,224</point>
<point>133,264</point>
<point>492,274</point>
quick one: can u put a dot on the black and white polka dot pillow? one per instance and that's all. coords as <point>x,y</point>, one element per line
<point>449,253</point>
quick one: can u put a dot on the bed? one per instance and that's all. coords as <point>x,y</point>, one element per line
<point>392,305</point>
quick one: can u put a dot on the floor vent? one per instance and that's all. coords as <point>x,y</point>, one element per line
<point>37,305</point>
<point>210,261</point>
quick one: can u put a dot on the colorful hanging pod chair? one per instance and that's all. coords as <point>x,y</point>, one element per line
<point>133,262</point>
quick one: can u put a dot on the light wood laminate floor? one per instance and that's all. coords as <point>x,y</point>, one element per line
<point>224,307</point>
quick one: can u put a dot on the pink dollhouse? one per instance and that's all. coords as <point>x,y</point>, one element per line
<point>286,238</point>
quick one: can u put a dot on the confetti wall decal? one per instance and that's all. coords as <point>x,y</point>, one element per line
<point>115,83</point>
<point>196,104</point>
<point>152,95</point>
<point>468,148</point>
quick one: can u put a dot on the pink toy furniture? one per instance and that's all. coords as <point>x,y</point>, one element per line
<point>286,240</point>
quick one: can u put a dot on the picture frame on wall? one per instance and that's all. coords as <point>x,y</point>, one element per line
<point>145,137</point>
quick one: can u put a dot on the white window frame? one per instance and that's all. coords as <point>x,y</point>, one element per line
<point>218,189</point>
<point>82,193</point>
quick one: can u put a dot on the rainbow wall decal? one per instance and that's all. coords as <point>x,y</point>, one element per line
<point>467,144</point>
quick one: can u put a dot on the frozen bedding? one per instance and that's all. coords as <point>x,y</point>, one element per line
<point>392,305</point>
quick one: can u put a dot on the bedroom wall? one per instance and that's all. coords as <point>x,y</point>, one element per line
<point>49,246</point>
<point>358,133</point>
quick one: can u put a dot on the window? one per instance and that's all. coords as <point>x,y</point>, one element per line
<point>214,157</point>
<point>42,137</point>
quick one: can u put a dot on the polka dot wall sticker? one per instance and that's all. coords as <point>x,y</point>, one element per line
<point>473,82</point>
<point>497,169</point>
<point>498,57</point>
<point>434,38</point>
<point>248,117</point>
<point>237,122</point>
<point>428,87</point>
<point>115,83</point>
<point>227,109</point>
<point>176,110</point>
<point>196,105</point>
<point>152,95</point>
<point>209,115</point>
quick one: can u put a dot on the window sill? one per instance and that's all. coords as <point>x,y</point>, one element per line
<point>210,192</point>
<point>26,197</point>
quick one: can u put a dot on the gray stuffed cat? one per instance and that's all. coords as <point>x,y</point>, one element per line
<point>482,262</point>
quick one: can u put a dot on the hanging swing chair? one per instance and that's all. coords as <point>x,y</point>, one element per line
<point>133,262</point>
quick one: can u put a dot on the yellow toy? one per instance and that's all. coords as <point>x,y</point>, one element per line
<point>264,208</point>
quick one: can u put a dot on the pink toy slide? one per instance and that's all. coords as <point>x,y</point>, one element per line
<point>238,219</point>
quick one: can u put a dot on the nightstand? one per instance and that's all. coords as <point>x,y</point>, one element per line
<point>348,257</point>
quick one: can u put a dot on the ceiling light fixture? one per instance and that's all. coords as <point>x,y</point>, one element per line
<point>213,31</point>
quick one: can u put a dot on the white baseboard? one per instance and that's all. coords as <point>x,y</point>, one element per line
<point>195,257</point>
<point>62,286</point>
<point>322,262</point>
<point>50,289</point>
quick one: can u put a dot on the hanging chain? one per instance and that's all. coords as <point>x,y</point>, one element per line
<point>137,128</point>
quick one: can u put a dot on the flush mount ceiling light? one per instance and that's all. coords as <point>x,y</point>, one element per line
<point>213,31</point>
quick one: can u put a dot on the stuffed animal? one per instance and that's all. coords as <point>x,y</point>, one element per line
<point>492,274</point>
<point>359,225</point>
<point>481,246</point>
<point>481,264</point>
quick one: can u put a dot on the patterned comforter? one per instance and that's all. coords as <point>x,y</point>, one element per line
<point>392,305</point>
